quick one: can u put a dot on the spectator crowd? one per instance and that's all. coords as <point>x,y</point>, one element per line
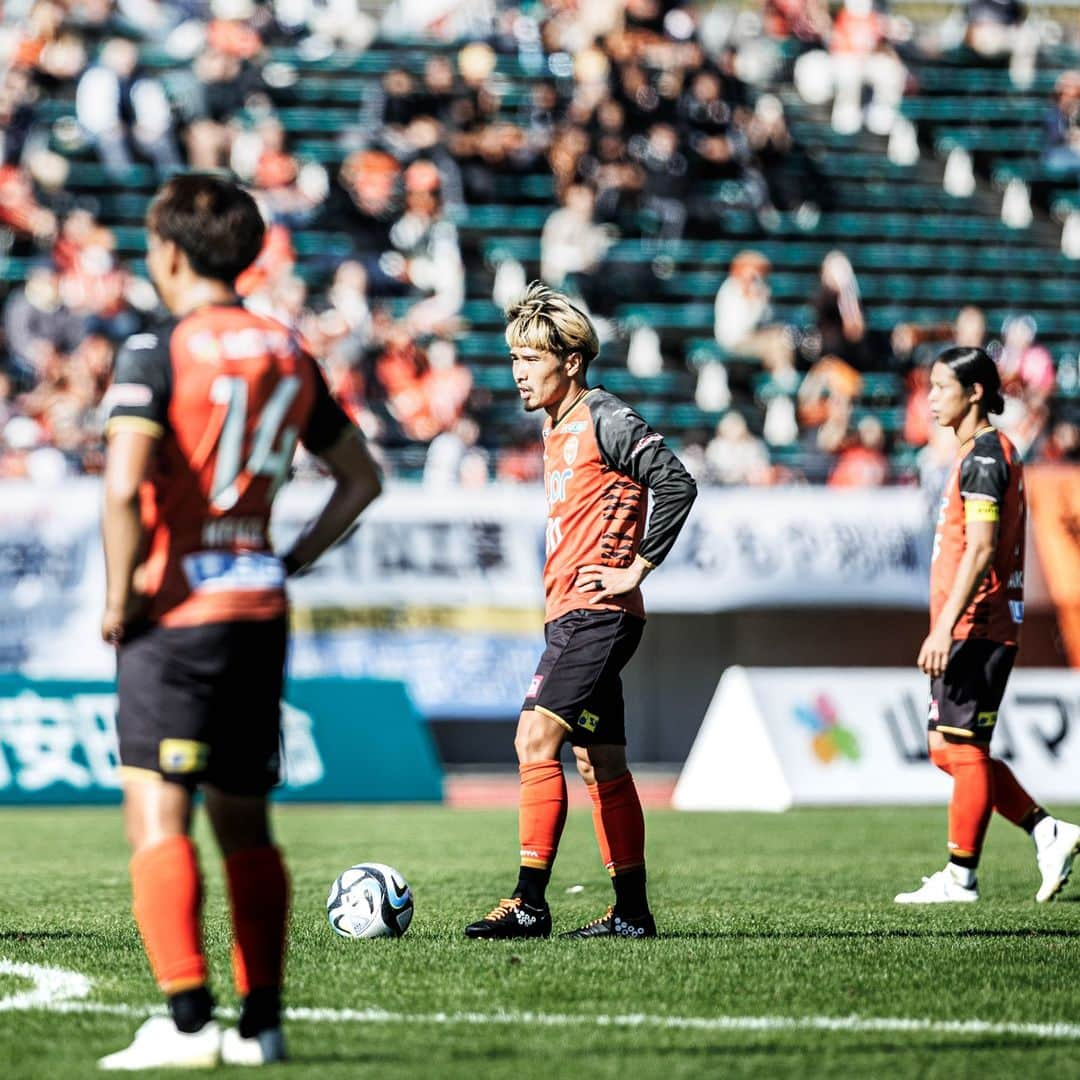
<point>640,111</point>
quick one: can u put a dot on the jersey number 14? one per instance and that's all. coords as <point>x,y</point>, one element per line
<point>272,447</point>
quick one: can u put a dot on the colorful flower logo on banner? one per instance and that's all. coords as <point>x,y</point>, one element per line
<point>830,739</point>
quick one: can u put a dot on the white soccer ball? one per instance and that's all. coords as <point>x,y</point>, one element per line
<point>370,900</point>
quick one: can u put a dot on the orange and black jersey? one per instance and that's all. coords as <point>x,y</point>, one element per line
<point>228,394</point>
<point>986,484</point>
<point>600,461</point>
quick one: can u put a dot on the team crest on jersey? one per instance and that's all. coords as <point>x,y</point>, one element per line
<point>570,450</point>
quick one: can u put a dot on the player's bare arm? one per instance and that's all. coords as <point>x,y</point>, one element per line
<point>978,556</point>
<point>356,485</point>
<point>131,452</point>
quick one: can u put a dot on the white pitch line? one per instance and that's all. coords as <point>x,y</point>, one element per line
<point>58,991</point>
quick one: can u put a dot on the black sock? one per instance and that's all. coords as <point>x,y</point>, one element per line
<point>192,1010</point>
<point>630,899</point>
<point>532,884</point>
<point>262,1011</point>
<point>1031,819</point>
<point>968,862</point>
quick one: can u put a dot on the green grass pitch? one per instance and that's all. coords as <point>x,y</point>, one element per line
<point>760,916</point>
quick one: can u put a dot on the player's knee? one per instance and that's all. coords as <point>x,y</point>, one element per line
<point>537,739</point>
<point>584,765</point>
<point>606,763</point>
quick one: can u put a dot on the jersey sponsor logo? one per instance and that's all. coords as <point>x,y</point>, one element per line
<point>534,686</point>
<point>648,440</point>
<point>182,755</point>
<point>559,486</point>
<point>1016,611</point>
<point>1016,579</point>
<point>588,720</point>
<point>127,395</point>
<point>983,460</point>
<point>570,450</point>
<point>986,719</point>
<point>222,571</point>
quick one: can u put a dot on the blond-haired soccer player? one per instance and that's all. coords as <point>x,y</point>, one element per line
<point>600,461</point>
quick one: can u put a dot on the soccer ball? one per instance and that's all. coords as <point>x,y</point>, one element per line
<point>370,900</point>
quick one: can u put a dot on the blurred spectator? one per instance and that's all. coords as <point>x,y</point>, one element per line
<point>840,324</point>
<point>666,173</point>
<point>829,382</point>
<point>992,25</point>
<point>37,324</point>
<point>448,452</point>
<point>1063,444</point>
<point>121,109</point>
<point>862,461</point>
<point>743,322</point>
<point>19,209</point>
<point>736,456</point>
<point>44,48</point>
<point>426,249</point>
<point>331,25</point>
<point>805,20</point>
<point>862,54</point>
<point>222,84</point>
<point>572,245</point>
<point>1061,151</point>
<point>1027,381</point>
<point>364,205</point>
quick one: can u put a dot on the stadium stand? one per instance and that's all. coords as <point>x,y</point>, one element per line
<point>430,169</point>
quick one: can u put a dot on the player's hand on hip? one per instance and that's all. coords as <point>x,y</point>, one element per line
<point>601,583</point>
<point>934,654</point>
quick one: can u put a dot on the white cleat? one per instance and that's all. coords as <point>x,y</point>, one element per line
<point>160,1044</point>
<point>1055,858</point>
<point>940,888</point>
<point>260,1049</point>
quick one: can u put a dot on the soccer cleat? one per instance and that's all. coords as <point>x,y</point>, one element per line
<point>513,918</point>
<point>160,1044</point>
<point>1055,859</point>
<point>261,1049</point>
<point>940,888</point>
<point>611,925</point>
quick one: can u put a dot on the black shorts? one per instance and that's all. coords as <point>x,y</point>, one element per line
<point>577,680</point>
<point>964,702</point>
<point>204,703</point>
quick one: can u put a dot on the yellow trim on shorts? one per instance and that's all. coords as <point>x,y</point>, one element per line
<point>981,510</point>
<point>955,731</point>
<point>135,423</point>
<point>554,716</point>
<point>134,772</point>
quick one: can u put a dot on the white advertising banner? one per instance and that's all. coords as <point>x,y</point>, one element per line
<point>774,738</point>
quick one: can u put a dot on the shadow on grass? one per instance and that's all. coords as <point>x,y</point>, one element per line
<point>848,935</point>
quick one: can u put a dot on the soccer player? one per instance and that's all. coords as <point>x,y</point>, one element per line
<point>600,461</point>
<point>976,607</point>
<point>204,417</point>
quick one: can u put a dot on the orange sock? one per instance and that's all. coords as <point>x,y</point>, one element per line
<point>1011,801</point>
<point>167,904</point>
<point>619,824</point>
<point>972,798</point>
<point>541,812</point>
<point>259,894</point>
